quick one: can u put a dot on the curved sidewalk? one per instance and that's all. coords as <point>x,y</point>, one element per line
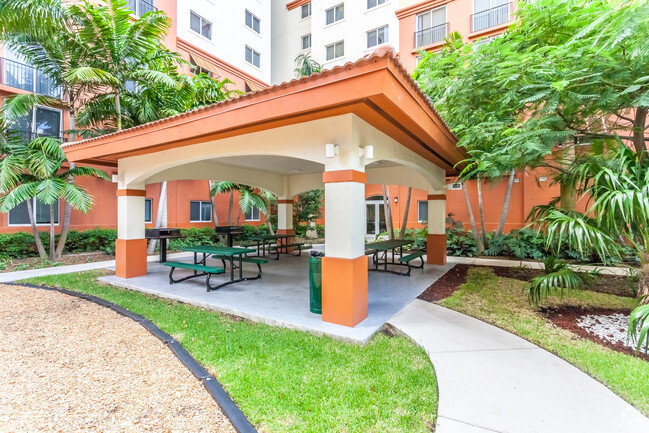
<point>493,381</point>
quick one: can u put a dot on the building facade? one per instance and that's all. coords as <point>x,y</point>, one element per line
<point>254,44</point>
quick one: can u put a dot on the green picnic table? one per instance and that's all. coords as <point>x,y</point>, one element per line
<point>279,243</point>
<point>379,251</point>
<point>229,254</point>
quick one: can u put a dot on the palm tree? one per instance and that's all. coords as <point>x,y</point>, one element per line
<point>305,65</point>
<point>250,197</point>
<point>34,171</point>
<point>615,184</point>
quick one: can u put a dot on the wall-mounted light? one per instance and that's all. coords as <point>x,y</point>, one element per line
<point>543,179</point>
<point>366,152</point>
<point>396,199</point>
<point>331,150</point>
<point>117,178</point>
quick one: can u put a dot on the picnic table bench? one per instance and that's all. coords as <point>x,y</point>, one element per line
<point>380,259</point>
<point>226,255</point>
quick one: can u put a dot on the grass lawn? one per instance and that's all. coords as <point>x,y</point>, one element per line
<point>502,302</point>
<point>291,381</point>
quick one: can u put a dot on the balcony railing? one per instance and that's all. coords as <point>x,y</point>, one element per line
<point>431,35</point>
<point>25,77</point>
<point>491,17</point>
<point>140,7</point>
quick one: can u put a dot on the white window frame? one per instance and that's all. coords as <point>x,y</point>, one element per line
<point>58,205</point>
<point>33,130</point>
<point>386,36</point>
<point>378,3</point>
<point>334,9</point>
<point>202,21</point>
<point>253,17</point>
<point>150,201</point>
<point>419,213</point>
<point>200,211</point>
<point>334,47</point>
<point>252,214</point>
<point>252,57</point>
<point>302,39</point>
<point>307,8</point>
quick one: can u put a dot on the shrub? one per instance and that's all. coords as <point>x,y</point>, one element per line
<point>18,245</point>
<point>460,243</point>
<point>91,240</point>
<point>194,236</point>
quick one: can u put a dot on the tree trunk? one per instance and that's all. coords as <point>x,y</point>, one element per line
<point>52,245</point>
<point>643,285</point>
<point>215,217</point>
<point>37,239</point>
<point>230,207</point>
<point>405,214</point>
<point>65,227</point>
<point>568,193</point>
<point>639,133</point>
<point>118,109</point>
<point>161,216</point>
<point>481,211</point>
<point>474,228</point>
<point>508,195</point>
<point>386,210</point>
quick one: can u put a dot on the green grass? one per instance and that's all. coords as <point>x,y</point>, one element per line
<point>502,302</point>
<point>291,381</point>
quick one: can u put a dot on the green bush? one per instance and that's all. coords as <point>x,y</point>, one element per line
<point>460,243</point>
<point>194,236</point>
<point>18,245</point>
<point>91,240</point>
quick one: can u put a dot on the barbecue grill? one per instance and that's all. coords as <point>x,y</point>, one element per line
<point>163,234</point>
<point>228,232</point>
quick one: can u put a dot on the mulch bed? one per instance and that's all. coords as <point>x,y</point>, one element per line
<point>566,318</point>
<point>67,259</point>
<point>447,284</point>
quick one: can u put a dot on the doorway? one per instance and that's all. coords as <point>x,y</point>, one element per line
<point>375,216</point>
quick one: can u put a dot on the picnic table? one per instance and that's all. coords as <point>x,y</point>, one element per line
<point>379,251</point>
<point>279,243</point>
<point>229,254</point>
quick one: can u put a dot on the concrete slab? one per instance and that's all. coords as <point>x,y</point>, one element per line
<point>481,261</point>
<point>491,380</point>
<point>281,298</point>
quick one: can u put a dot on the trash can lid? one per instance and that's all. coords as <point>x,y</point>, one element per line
<point>317,253</point>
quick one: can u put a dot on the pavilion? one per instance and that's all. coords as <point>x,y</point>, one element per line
<point>364,122</point>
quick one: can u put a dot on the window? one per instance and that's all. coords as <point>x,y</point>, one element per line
<point>252,21</point>
<point>489,13</point>
<point>200,211</point>
<point>20,216</point>
<point>377,36</point>
<point>422,211</point>
<point>41,122</point>
<point>374,3</point>
<point>200,25</point>
<point>431,27</point>
<point>335,13</point>
<point>335,50</point>
<point>253,214</point>
<point>197,70</point>
<point>140,7</point>
<point>306,10</point>
<point>148,210</point>
<point>306,41</point>
<point>252,56</point>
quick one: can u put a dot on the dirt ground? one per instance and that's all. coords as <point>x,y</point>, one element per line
<point>68,365</point>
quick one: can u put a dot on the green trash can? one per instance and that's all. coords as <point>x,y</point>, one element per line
<point>315,282</point>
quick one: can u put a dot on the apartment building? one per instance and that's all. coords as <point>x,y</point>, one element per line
<point>254,43</point>
<point>334,32</point>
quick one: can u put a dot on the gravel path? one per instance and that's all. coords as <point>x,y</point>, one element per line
<point>68,365</point>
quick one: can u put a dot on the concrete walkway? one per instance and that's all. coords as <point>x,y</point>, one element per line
<point>506,263</point>
<point>493,381</point>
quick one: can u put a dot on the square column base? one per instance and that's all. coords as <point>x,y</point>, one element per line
<point>436,249</point>
<point>130,258</point>
<point>344,290</point>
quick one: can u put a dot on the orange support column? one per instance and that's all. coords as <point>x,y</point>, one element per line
<point>436,240</point>
<point>344,268</point>
<point>130,245</point>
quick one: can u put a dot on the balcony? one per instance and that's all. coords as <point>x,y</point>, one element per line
<point>491,17</point>
<point>140,7</point>
<point>431,35</point>
<point>20,76</point>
